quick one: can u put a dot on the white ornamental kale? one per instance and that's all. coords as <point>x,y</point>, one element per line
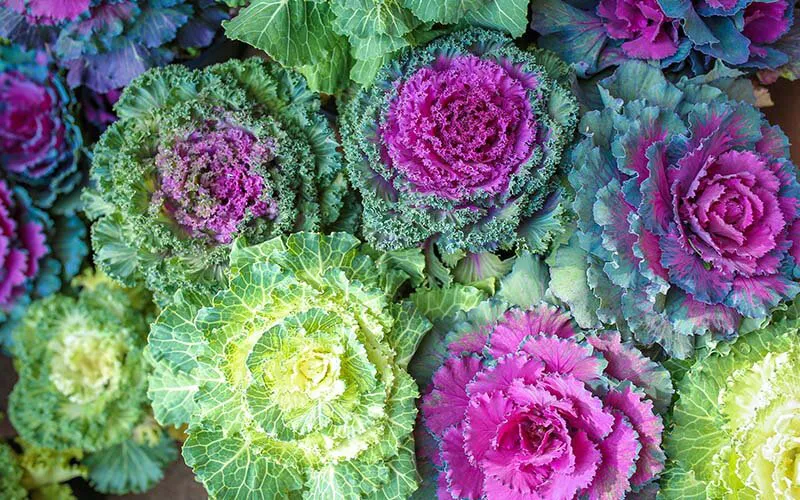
<point>293,379</point>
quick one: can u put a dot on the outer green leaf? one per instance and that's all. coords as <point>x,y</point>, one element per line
<point>439,303</point>
<point>568,283</point>
<point>409,329</point>
<point>510,16</point>
<point>130,467</point>
<point>10,475</point>
<point>172,394</point>
<point>297,33</point>
<point>444,11</point>
<point>526,284</point>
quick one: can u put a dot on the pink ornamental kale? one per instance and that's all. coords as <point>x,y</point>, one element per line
<point>22,246</point>
<point>529,408</point>
<point>689,209</point>
<point>679,34</point>
<point>208,180</point>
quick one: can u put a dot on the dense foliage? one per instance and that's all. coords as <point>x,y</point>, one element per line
<point>735,423</point>
<point>83,383</point>
<point>292,379</point>
<point>200,157</point>
<point>680,35</point>
<point>332,42</point>
<point>104,44</point>
<point>458,145</point>
<point>692,196</point>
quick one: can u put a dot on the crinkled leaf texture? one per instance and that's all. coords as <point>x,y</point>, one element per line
<point>688,211</point>
<point>405,205</point>
<point>104,44</point>
<point>44,148</point>
<point>332,42</point>
<point>735,425</point>
<point>82,374</point>
<point>292,379</point>
<point>289,179</point>
<point>10,475</point>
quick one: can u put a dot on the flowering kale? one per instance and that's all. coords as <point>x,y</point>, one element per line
<point>688,210</point>
<point>682,34</point>
<point>38,472</point>
<point>334,41</point>
<point>528,407</point>
<point>200,157</point>
<point>37,254</point>
<point>104,44</point>
<point>458,143</point>
<point>83,383</point>
<point>40,143</point>
<point>292,379</point>
<point>789,44</point>
<point>736,428</point>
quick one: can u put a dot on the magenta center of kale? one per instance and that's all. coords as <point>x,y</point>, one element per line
<point>209,182</point>
<point>460,125</point>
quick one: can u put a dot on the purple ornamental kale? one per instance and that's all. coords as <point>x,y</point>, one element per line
<point>22,246</point>
<point>461,125</point>
<point>104,44</point>
<point>40,143</point>
<point>679,34</point>
<point>689,209</point>
<point>208,182</point>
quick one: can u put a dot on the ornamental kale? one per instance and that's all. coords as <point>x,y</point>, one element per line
<point>688,211</point>
<point>83,383</point>
<point>334,41</point>
<point>201,157</point>
<point>104,44</point>
<point>40,143</point>
<point>680,34</point>
<point>530,407</point>
<point>292,379</point>
<point>458,143</point>
<point>39,253</point>
<point>38,473</point>
<point>735,430</point>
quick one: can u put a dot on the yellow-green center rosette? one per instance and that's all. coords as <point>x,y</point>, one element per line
<point>293,379</point>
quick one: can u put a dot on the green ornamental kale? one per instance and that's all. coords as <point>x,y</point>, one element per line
<point>83,384</point>
<point>38,473</point>
<point>293,379</point>
<point>334,41</point>
<point>200,157</point>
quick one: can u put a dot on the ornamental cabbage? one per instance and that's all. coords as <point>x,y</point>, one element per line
<point>104,44</point>
<point>688,211</point>
<point>38,472</point>
<point>459,143</point>
<point>334,41</point>
<point>736,426</point>
<point>39,253</point>
<point>40,143</point>
<point>292,379</point>
<point>83,383</point>
<point>530,407</point>
<point>678,34</point>
<point>201,157</point>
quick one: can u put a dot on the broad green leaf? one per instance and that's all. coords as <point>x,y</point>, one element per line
<point>443,11</point>
<point>368,18</point>
<point>235,469</point>
<point>298,34</point>
<point>439,303</point>
<point>510,16</point>
<point>130,467</point>
<point>409,328</point>
<point>526,284</point>
<point>402,474</point>
<point>172,395</point>
<point>568,283</point>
